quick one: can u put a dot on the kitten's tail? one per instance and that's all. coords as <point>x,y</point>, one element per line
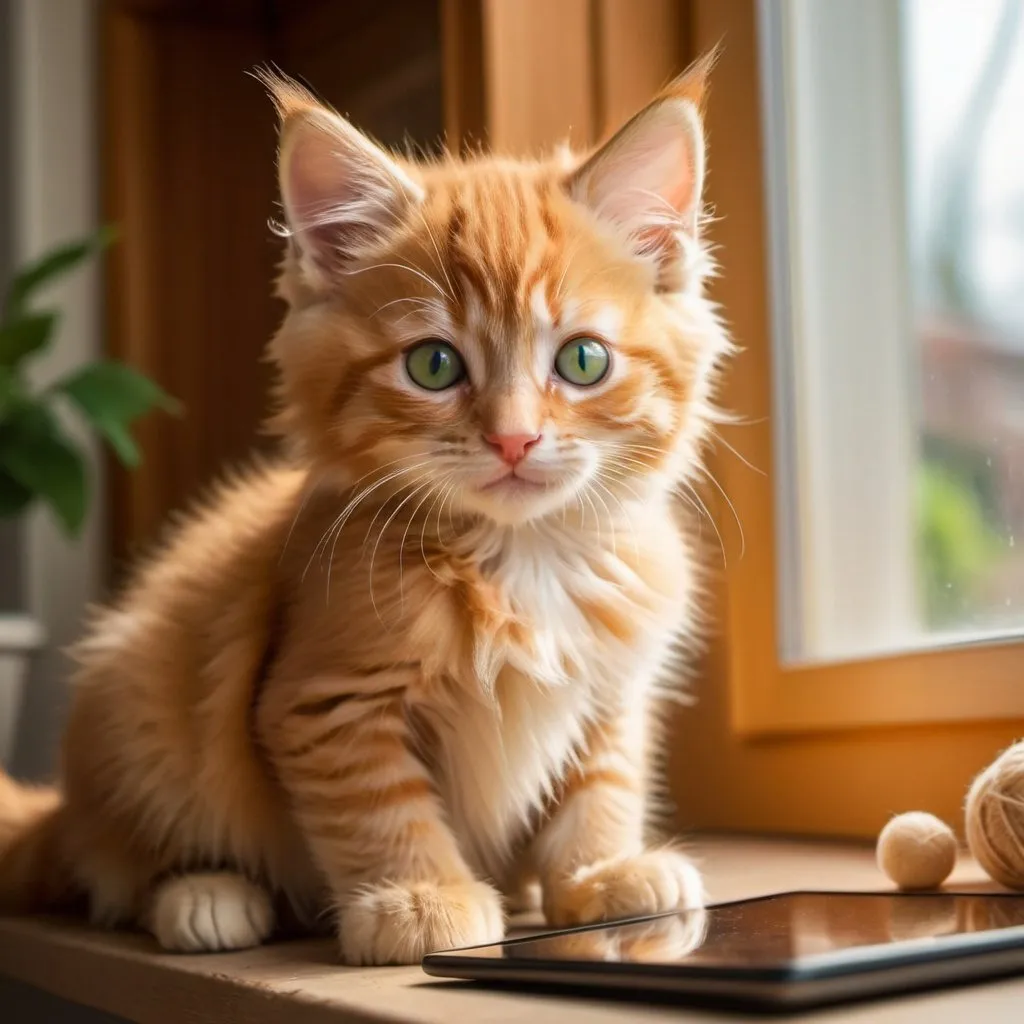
<point>33,867</point>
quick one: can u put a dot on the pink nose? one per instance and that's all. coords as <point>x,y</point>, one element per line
<point>512,447</point>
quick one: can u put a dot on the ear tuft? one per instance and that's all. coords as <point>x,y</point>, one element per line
<point>648,178</point>
<point>341,193</point>
<point>692,85</point>
<point>288,96</point>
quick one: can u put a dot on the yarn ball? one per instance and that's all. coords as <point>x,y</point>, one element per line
<point>917,850</point>
<point>994,818</point>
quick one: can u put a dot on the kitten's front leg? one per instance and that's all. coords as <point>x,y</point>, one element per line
<point>591,854</point>
<point>374,823</point>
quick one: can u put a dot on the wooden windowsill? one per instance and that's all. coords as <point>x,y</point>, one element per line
<point>302,983</point>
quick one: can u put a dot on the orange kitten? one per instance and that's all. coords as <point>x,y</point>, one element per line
<point>421,659</point>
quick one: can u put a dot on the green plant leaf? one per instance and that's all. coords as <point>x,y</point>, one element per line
<point>52,265</point>
<point>36,456</point>
<point>111,396</point>
<point>24,335</point>
<point>112,390</point>
<point>14,498</point>
<point>7,388</point>
<point>119,438</point>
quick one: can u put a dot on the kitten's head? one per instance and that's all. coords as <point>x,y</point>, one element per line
<point>520,335</point>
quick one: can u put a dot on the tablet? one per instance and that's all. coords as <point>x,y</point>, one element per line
<point>792,950</point>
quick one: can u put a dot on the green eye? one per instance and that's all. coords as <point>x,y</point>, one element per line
<point>582,361</point>
<point>435,365</point>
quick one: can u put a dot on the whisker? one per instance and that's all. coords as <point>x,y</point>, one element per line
<point>582,509</point>
<point>599,481</point>
<point>585,493</point>
<point>638,449</point>
<point>647,467</point>
<point>394,462</point>
<point>618,477</point>
<point>437,252</point>
<point>409,315</point>
<point>739,421</point>
<point>608,514</point>
<point>400,266</point>
<point>451,523</point>
<point>565,270</point>
<point>431,488</point>
<point>440,508</point>
<point>346,512</point>
<point>732,508</point>
<point>746,462</point>
<point>310,487</point>
<point>341,526</point>
<point>349,509</point>
<point>428,301</point>
<point>700,513</point>
<point>443,490</point>
<point>384,504</point>
<point>692,494</point>
<point>380,535</point>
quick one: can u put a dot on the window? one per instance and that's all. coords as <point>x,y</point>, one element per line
<point>865,631</point>
<point>898,219</point>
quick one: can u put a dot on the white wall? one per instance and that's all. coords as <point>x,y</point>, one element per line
<point>55,198</point>
<point>10,532</point>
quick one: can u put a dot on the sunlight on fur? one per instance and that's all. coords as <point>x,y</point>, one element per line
<point>385,682</point>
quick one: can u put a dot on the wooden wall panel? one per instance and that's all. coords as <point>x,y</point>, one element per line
<point>465,79</point>
<point>380,63</point>
<point>538,61</point>
<point>528,75</point>
<point>639,46</point>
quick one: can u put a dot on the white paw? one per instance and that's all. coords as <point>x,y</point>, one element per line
<point>210,912</point>
<point>622,887</point>
<point>398,924</point>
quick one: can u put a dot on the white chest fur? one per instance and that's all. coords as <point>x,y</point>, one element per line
<point>522,720</point>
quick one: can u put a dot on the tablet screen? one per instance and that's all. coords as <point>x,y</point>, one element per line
<point>794,930</point>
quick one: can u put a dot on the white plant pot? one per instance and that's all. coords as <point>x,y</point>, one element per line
<point>20,637</point>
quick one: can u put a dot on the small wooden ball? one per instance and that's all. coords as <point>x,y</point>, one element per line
<point>994,818</point>
<point>917,850</point>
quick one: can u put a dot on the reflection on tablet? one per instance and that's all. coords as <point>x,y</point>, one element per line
<point>661,940</point>
<point>778,930</point>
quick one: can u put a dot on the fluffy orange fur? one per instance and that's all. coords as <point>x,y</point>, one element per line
<point>415,662</point>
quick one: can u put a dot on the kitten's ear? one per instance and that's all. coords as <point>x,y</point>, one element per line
<point>341,193</point>
<point>648,177</point>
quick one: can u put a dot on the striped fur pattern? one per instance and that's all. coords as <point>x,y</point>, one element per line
<point>384,684</point>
